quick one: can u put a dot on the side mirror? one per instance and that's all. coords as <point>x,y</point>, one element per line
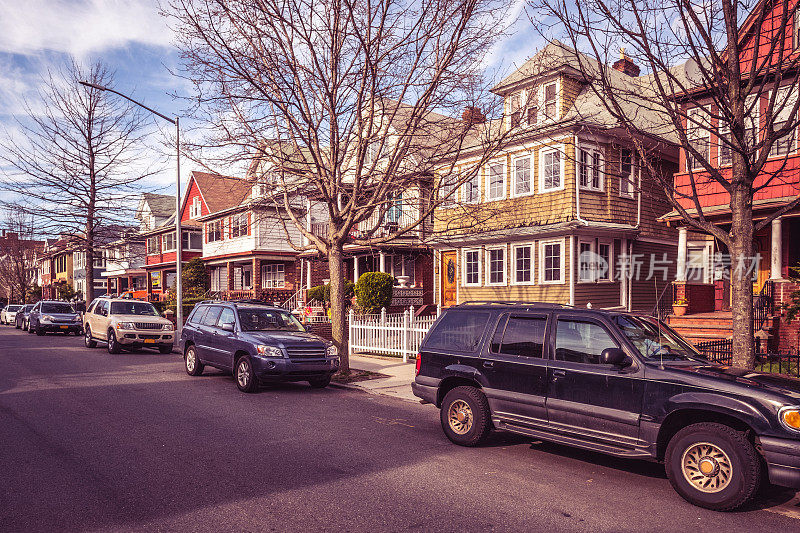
<point>228,326</point>
<point>616,357</point>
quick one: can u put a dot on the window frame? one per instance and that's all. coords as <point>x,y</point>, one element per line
<point>503,321</point>
<point>468,185</point>
<point>594,247</point>
<point>488,268</point>
<point>695,132</point>
<point>164,246</point>
<point>218,230</point>
<point>488,169</point>
<point>569,317</point>
<point>279,268</point>
<point>543,153</point>
<point>196,207</point>
<point>595,168</point>
<point>556,100</point>
<point>514,190</point>
<point>542,278</point>
<point>464,278</point>
<point>513,261</point>
<point>634,174</point>
<point>789,100</point>
<point>239,225</point>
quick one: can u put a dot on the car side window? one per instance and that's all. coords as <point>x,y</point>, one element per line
<point>211,316</point>
<point>458,330</point>
<point>520,335</point>
<point>226,317</point>
<point>102,308</point>
<point>196,315</point>
<point>581,341</point>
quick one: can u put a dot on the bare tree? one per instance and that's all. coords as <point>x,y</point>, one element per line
<point>708,67</point>
<point>17,251</point>
<point>346,102</point>
<point>78,160</point>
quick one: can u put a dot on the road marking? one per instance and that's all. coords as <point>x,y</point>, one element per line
<point>790,508</point>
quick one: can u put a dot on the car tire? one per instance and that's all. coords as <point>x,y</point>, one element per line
<point>713,466</point>
<point>88,341</point>
<point>244,375</point>
<point>164,349</point>
<point>320,383</point>
<point>16,325</point>
<point>39,331</point>
<point>112,344</point>
<point>465,416</point>
<point>191,362</point>
<point>28,327</point>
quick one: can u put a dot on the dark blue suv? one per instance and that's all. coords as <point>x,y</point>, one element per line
<point>256,343</point>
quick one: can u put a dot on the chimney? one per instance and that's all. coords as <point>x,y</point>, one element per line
<point>472,115</point>
<point>626,65</point>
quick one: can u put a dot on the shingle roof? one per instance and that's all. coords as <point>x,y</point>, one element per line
<point>161,205</point>
<point>221,192</point>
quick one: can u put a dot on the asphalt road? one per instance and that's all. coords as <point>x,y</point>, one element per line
<point>92,441</point>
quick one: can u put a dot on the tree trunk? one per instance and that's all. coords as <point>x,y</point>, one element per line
<point>742,275</point>
<point>338,304</point>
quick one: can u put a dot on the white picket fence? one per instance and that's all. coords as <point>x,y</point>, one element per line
<point>389,334</point>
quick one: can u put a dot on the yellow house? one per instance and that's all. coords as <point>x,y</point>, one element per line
<point>62,266</point>
<point>565,212</point>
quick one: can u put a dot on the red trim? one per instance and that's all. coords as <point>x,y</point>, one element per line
<point>248,223</point>
<point>251,253</point>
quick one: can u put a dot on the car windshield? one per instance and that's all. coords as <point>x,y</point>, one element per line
<point>656,341</point>
<point>264,319</point>
<point>133,308</point>
<point>57,308</point>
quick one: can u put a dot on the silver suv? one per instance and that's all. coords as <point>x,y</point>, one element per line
<point>126,324</point>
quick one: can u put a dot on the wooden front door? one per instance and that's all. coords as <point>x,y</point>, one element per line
<point>448,275</point>
<point>761,246</point>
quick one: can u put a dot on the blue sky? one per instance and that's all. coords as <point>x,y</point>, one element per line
<point>134,40</point>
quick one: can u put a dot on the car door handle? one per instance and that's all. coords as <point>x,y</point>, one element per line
<point>488,364</point>
<point>559,373</point>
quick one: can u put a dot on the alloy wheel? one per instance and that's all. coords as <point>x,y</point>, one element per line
<point>707,467</point>
<point>460,417</point>
<point>243,373</point>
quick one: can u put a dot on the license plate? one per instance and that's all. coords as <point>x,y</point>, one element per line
<point>64,327</point>
<point>149,341</point>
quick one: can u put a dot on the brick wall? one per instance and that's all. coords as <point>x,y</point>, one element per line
<point>788,333</point>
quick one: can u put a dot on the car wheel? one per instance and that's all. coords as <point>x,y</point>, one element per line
<point>245,377</point>
<point>713,466</point>
<point>465,416</point>
<point>193,365</point>
<point>165,349</point>
<point>28,327</point>
<point>39,331</point>
<point>320,383</point>
<point>112,344</point>
<point>88,341</point>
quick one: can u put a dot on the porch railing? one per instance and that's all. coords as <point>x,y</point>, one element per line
<point>721,351</point>
<point>664,303</point>
<point>763,305</point>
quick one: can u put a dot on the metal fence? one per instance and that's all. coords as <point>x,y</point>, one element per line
<point>721,351</point>
<point>388,334</point>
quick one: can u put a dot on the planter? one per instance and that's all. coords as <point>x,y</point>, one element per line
<point>679,310</point>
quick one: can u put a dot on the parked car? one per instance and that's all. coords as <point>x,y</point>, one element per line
<point>54,316</point>
<point>126,324</point>
<point>615,383</point>
<point>22,316</point>
<point>9,313</point>
<point>257,343</point>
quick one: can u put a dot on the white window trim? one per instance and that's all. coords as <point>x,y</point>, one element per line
<point>723,130</point>
<point>196,207</point>
<point>561,279</point>
<point>600,170</point>
<point>594,246</point>
<point>790,99</point>
<point>513,263</point>
<point>514,193</point>
<point>488,266</point>
<point>542,152</point>
<point>464,282</point>
<point>487,177</point>
<point>635,175</point>
<point>543,117</point>
<point>465,185</point>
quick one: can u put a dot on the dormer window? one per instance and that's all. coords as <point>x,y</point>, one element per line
<point>516,110</point>
<point>550,101</point>
<point>194,209</point>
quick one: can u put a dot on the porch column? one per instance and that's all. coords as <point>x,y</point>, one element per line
<point>680,275</point>
<point>256,275</point>
<point>229,266</point>
<point>355,269</point>
<point>308,273</point>
<point>382,262</point>
<point>776,250</point>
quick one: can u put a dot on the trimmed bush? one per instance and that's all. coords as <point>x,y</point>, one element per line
<point>374,291</point>
<point>322,293</point>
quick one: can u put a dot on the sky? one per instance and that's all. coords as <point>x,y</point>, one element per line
<point>134,40</point>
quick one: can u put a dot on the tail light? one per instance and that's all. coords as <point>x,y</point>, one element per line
<point>419,362</point>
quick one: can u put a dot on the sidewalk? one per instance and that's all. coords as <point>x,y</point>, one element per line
<point>397,385</point>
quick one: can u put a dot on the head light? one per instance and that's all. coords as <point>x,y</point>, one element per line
<point>332,350</point>
<point>48,318</point>
<point>77,318</point>
<point>789,418</point>
<point>269,351</point>
<point>167,327</point>
<point>126,325</point>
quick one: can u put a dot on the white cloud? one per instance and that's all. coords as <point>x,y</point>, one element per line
<point>79,27</point>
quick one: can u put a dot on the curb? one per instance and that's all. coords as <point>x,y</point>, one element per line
<point>354,387</point>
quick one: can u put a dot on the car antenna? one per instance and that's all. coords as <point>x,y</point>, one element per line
<point>658,324</point>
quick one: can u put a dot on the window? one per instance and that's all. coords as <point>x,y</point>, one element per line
<point>239,225</point>
<point>696,260</point>
<point>496,181</point>
<point>273,275</point>
<point>472,266</point>
<point>227,316</point>
<point>522,336</point>
<point>784,105</point>
<point>169,241</point>
<point>153,245</point>
<point>551,101</point>
<point>458,330</point>
<point>523,258</point>
<point>581,342</point>
<point>585,262</point>
<point>603,272</point>
<point>192,240</point>
<point>210,318</point>
<point>627,173</point>
<point>589,170</point>
<point>447,188</point>
<point>551,170</point>
<point>551,261</point>
<point>197,315</point>
<point>594,261</point>
<point>497,266</point>
<point>751,112</point>
<point>533,107</point>
<point>724,157</point>
<point>472,189</point>
<point>99,259</point>
<point>515,109</point>
<point>214,231</point>
<point>697,134</point>
<point>194,209</point>
<point>522,176</point>
<point>796,29</point>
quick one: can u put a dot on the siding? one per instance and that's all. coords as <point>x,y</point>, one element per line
<point>644,292</point>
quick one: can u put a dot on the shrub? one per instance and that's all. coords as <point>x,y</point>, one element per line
<point>374,291</point>
<point>322,293</point>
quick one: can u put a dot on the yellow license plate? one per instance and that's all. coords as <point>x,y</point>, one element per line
<point>64,327</point>
<point>149,341</point>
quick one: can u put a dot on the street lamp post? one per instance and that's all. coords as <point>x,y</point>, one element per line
<point>178,235</point>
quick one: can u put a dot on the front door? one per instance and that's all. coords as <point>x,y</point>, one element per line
<point>761,249</point>
<point>448,277</point>
<point>585,397</point>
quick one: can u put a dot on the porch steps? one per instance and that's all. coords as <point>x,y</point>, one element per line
<point>703,327</point>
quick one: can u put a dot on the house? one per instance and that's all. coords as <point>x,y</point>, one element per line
<point>564,211</point>
<point>125,258</point>
<point>55,266</point>
<point>17,265</point>
<point>703,262</point>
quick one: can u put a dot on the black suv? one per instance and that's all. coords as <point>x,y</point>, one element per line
<point>257,343</point>
<point>615,383</point>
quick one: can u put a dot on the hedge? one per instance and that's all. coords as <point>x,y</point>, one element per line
<point>374,291</point>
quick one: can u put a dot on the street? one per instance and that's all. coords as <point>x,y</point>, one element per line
<point>92,441</point>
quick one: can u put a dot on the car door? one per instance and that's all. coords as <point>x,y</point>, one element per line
<point>100,320</point>
<point>222,344</point>
<point>515,368</point>
<point>602,402</point>
<point>204,337</point>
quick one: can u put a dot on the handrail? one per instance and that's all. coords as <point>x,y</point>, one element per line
<point>661,310</point>
<point>763,305</point>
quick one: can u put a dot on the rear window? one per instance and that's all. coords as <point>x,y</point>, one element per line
<point>57,308</point>
<point>458,330</point>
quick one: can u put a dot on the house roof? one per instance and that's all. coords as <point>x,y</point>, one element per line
<point>221,192</point>
<point>161,205</point>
